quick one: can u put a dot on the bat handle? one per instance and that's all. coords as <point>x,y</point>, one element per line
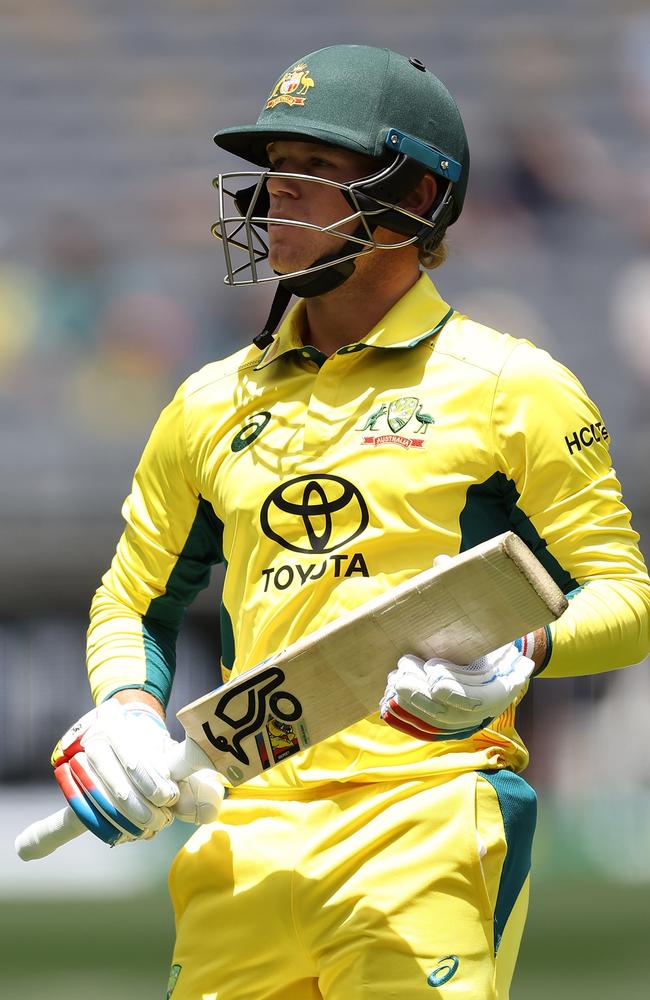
<point>187,757</point>
<point>45,835</point>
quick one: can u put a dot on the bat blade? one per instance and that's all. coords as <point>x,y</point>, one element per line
<point>459,610</point>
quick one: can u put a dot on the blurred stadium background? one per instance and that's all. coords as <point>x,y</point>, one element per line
<point>111,292</point>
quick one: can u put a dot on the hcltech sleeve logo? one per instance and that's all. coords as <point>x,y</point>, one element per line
<point>586,436</point>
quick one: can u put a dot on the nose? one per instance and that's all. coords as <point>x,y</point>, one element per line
<point>278,186</point>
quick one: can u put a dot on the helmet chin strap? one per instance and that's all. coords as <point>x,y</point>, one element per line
<point>307,286</point>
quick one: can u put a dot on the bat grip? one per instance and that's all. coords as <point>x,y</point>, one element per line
<point>185,758</point>
<point>46,835</point>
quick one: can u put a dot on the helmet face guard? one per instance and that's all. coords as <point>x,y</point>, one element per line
<point>242,223</point>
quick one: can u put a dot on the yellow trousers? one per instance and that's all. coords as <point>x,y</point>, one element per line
<point>403,891</point>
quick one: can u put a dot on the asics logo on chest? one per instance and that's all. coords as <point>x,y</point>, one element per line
<point>444,971</point>
<point>250,431</point>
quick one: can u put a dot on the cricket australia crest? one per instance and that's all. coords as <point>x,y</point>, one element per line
<point>400,412</point>
<point>395,416</point>
<point>292,88</point>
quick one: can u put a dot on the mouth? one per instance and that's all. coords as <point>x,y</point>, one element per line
<point>284,213</point>
<point>282,220</point>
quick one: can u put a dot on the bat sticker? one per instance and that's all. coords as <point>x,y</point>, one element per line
<point>280,737</point>
<point>251,702</point>
<point>262,751</point>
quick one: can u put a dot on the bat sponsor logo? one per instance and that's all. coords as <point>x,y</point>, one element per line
<point>246,708</point>
<point>276,741</point>
<point>325,513</point>
<point>250,431</point>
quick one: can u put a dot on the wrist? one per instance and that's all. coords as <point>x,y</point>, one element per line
<point>133,696</point>
<point>534,645</point>
<point>540,650</point>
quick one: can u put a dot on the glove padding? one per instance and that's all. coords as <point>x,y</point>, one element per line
<point>439,700</point>
<point>200,797</point>
<point>112,768</point>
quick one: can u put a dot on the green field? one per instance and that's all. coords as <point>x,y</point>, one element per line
<point>583,940</point>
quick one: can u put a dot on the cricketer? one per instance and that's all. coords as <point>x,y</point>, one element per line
<point>367,430</point>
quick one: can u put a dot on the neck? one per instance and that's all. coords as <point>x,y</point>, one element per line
<point>348,313</point>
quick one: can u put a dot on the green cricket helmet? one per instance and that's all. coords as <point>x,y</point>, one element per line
<point>369,100</point>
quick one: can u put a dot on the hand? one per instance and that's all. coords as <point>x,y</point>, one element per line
<point>200,797</point>
<point>112,768</point>
<point>200,788</point>
<point>438,700</point>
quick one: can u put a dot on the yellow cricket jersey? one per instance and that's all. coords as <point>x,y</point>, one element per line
<point>320,482</point>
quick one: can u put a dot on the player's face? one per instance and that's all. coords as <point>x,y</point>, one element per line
<point>292,248</point>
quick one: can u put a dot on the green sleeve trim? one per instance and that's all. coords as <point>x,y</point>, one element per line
<point>491,508</point>
<point>227,638</point>
<point>160,657</point>
<point>190,574</point>
<point>518,804</point>
<point>132,687</point>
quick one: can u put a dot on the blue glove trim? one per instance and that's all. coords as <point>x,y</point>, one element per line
<point>85,784</point>
<point>93,820</point>
<point>83,809</point>
<point>110,813</point>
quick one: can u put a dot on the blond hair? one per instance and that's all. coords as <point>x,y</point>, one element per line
<point>430,259</point>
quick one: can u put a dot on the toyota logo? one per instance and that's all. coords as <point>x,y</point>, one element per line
<point>328,510</point>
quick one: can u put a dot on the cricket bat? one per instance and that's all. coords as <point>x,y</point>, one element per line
<point>460,609</point>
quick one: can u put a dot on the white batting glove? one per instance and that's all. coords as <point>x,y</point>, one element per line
<point>438,700</point>
<point>112,768</point>
<point>200,797</point>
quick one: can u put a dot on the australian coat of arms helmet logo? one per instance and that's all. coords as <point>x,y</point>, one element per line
<point>292,88</point>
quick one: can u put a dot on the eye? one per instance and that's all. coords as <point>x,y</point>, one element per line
<point>319,162</point>
<point>276,164</point>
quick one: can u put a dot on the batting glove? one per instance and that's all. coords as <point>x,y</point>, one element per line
<point>439,700</point>
<point>112,768</point>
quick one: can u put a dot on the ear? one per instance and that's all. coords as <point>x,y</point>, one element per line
<point>422,197</point>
